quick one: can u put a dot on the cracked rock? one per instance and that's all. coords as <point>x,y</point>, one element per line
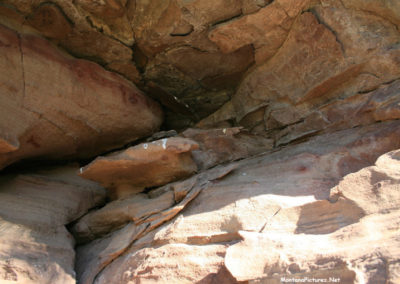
<point>145,165</point>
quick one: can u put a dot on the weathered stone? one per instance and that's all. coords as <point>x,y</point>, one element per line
<point>35,247</point>
<point>110,17</point>
<point>50,21</point>
<point>375,191</point>
<point>57,107</point>
<point>199,51</point>
<point>382,104</point>
<point>93,257</point>
<point>348,53</point>
<point>118,213</point>
<point>180,264</point>
<point>146,215</point>
<point>272,198</point>
<point>266,30</point>
<point>389,10</point>
<point>145,165</point>
<point>35,256</point>
<point>77,27</point>
<point>218,146</point>
<point>309,87</point>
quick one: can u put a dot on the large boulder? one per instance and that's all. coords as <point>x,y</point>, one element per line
<point>152,164</point>
<point>55,107</point>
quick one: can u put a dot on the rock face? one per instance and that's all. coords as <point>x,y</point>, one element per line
<point>35,246</point>
<point>282,58</point>
<point>372,193</point>
<point>329,66</point>
<point>295,194</point>
<point>278,158</point>
<point>223,145</point>
<point>146,165</point>
<point>55,106</point>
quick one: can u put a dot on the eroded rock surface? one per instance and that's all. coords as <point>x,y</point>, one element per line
<point>333,57</point>
<point>340,252</point>
<point>295,193</point>
<point>35,246</point>
<point>218,146</point>
<point>196,56</point>
<point>292,106</point>
<point>137,216</point>
<point>145,165</point>
<point>54,106</point>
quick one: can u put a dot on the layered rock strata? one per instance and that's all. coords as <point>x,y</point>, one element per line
<point>145,165</point>
<point>35,246</point>
<point>257,58</point>
<point>289,170</point>
<point>54,106</point>
<point>295,194</point>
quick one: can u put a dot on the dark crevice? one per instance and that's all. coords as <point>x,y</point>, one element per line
<point>235,17</point>
<point>268,219</point>
<point>266,3</point>
<point>139,58</point>
<point>89,20</point>
<point>100,30</point>
<point>170,101</point>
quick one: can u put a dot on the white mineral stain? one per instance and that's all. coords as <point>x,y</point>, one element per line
<point>224,131</point>
<point>80,170</point>
<point>145,146</point>
<point>164,143</point>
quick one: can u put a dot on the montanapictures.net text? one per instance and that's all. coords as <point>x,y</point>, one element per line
<point>310,280</point>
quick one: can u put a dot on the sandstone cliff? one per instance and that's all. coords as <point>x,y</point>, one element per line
<point>277,161</point>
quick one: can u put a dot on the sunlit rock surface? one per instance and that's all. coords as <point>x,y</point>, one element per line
<point>277,159</point>
<point>296,193</point>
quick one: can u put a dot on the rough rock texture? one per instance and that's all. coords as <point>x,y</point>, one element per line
<point>35,246</point>
<point>293,194</point>
<point>223,145</point>
<point>372,193</point>
<point>291,170</point>
<point>55,106</point>
<point>155,209</point>
<point>195,56</point>
<point>325,71</point>
<point>145,165</point>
